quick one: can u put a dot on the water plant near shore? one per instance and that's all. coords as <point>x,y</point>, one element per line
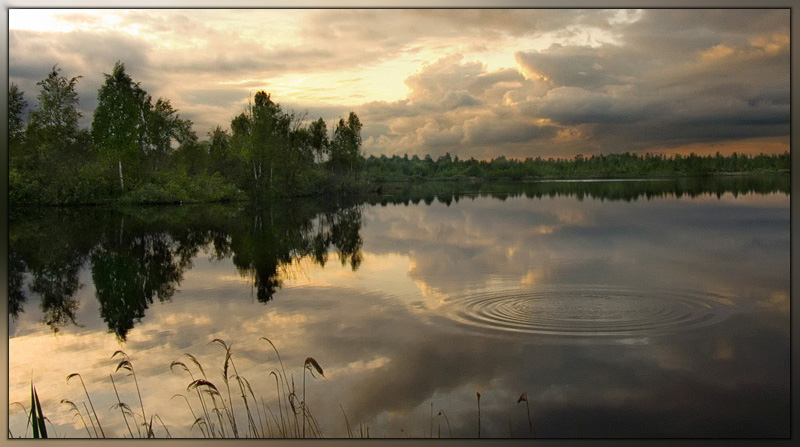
<point>214,408</point>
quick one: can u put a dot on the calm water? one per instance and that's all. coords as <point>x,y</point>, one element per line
<point>621,309</point>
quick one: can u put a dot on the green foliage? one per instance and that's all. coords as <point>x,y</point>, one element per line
<point>141,151</point>
<point>117,124</point>
<point>16,124</point>
<point>52,147</point>
<point>56,118</point>
<point>345,148</point>
<point>626,165</point>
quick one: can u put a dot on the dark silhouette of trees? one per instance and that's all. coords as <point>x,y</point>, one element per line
<point>46,155</point>
<point>625,165</point>
<point>140,150</point>
<point>345,148</point>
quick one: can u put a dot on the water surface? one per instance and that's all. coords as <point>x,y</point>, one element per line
<point>621,309</point>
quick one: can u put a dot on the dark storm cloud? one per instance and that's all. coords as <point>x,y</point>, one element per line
<point>570,66</point>
<point>572,105</point>
<point>673,77</point>
<point>496,129</point>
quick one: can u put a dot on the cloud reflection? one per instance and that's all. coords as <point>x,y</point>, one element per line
<point>390,348</point>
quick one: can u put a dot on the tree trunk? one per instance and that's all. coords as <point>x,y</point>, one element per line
<point>121,182</point>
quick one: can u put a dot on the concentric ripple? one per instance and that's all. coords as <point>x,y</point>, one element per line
<point>590,311</point>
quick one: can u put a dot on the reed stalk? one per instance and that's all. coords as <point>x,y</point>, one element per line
<point>119,402</point>
<point>479,414</point>
<point>524,397</point>
<point>90,404</point>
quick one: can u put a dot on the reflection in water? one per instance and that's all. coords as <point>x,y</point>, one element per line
<point>663,317</point>
<point>16,281</point>
<point>141,257</point>
<point>128,273</point>
<point>627,190</point>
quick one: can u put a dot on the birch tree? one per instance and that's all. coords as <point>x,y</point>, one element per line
<point>117,122</point>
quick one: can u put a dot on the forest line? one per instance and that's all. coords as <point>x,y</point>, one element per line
<point>140,150</point>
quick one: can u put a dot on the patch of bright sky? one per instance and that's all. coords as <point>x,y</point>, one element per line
<point>385,80</point>
<point>60,20</point>
<point>380,80</point>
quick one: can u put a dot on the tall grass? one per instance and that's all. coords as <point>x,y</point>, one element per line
<point>35,417</point>
<point>226,409</point>
<point>288,417</point>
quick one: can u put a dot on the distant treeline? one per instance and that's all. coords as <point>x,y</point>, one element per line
<point>140,150</point>
<point>624,165</point>
<point>406,193</point>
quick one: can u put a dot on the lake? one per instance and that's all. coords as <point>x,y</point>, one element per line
<point>570,309</point>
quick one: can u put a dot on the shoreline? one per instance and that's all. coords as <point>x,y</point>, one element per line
<point>370,188</point>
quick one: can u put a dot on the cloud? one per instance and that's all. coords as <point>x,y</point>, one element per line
<point>573,66</point>
<point>477,83</point>
<point>458,107</point>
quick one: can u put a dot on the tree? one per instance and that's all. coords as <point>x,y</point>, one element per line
<point>53,147</point>
<point>118,121</point>
<point>16,127</point>
<point>53,124</point>
<point>131,132</point>
<point>262,137</point>
<point>346,145</point>
<point>162,125</point>
<point>16,136</point>
<point>269,137</point>
<point>221,157</point>
<point>319,141</point>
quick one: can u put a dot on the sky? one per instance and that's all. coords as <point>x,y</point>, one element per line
<point>472,82</point>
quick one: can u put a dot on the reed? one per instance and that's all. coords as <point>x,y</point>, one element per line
<point>78,414</point>
<point>217,415</point>
<point>479,413</point>
<point>292,418</point>
<point>86,392</point>
<point>442,413</point>
<point>310,365</point>
<point>524,397</point>
<point>126,364</point>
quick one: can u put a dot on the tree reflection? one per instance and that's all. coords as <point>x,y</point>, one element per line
<point>56,285</point>
<point>16,282</point>
<point>129,274</point>
<point>612,190</point>
<point>139,256</point>
<point>282,234</point>
<point>53,260</point>
<point>345,235</point>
